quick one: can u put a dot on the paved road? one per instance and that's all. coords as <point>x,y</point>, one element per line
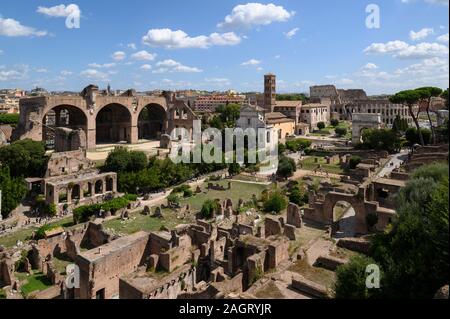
<point>393,163</point>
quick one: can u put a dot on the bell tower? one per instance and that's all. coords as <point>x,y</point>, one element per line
<point>270,81</point>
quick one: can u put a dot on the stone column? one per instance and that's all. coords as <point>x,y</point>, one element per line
<point>69,196</point>
<point>134,135</point>
<point>81,192</point>
<point>92,189</point>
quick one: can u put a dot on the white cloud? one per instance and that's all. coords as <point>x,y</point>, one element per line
<point>443,38</point>
<point>403,50</point>
<point>41,70</point>
<point>421,34</point>
<point>146,67</point>
<point>119,56</point>
<point>93,74</point>
<point>101,66</point>
<point>291,33</point>
<point>277,56</point>
<point>171,66</point>
<point>245,16</point>
<point>143,56</point>
<point>60,11</point>
<point>13,28</point>
<point>19,72</point>
<point>66,73</point>
<point>251,62</point>
<point>370,66</point>
<point>179,39</point>
<point>132,46</point>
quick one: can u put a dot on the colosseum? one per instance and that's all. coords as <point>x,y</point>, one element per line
<point>104,118</point>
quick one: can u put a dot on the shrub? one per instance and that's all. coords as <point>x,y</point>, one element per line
<point>341,131</point>
<point>181,189</point>
<point>298,197</point>
<point>173,199</point>
<point>354,161</point>
<point>286,167</point>
<point>334,122</point>
<point>188,193</point>
<point>11,119</point>
<point>275,203</point>
<point>40,233</point>
<point>208,209</point>
<point>321,125</point>
<point>351,279</point>
<point>84,213</point>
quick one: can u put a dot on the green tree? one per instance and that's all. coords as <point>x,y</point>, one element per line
<point>334,122</point>
<point>444,95</point>
<point>413,137</point>
<point>321,125</point>
<point>11,119</point>
<point>410,98</point>
<point>123,160</point>
<point>340,131</point>
<point>351,279</point>
<point>354,161</point>
<point>275,203</point>
<point>13,191</point>
<point>426,96</point>
<point>381,139</point>
<point>400,124</point>
<point>286,167</point>
<point>298,196</point>
<point>229,114</point>
<point>414,254</point>
<point>25,158</point>
<point>208,209</point>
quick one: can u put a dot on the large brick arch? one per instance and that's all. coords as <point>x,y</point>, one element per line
<point>33,111</point>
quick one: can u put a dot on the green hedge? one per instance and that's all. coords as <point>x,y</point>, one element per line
<point>12,119</point>
<point>83,213</point>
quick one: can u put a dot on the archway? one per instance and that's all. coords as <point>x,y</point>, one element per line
<point>151,122</point>
<point>76,192</point>
<point>113,124</point>
<point>344,219</point>
<point>99,187</point>
<point>109,184</point>
<point>67,116</point>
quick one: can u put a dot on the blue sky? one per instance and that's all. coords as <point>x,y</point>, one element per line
<point>204,44</point>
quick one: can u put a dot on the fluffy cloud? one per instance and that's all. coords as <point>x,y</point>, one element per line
<point>421,34</point>
<point>60,11</point>
<point>370,66</point>
<point>66,73</point>
<point>245,16</point>
<point>132,46</point>
<point>119,56</point>
<point>100,66</point>
<point>403,50</point>
<point>13,28</point>
<point>179,39</point>
<point>291,33</point>
<point>93,74</point>
<point>171,66</point>
<point>251,62</point>
<point>146,67</point>
<point>17,73</point>
<point>143,56</point>
<point>443,38</point>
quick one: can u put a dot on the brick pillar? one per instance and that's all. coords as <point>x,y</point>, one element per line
<point>91,136</point>
<point>69,196</point>
<point>92,189</point>
<point>134,135</point>
<point>81,192</point>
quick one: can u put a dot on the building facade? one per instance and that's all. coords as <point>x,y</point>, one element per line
<point>210,103</point>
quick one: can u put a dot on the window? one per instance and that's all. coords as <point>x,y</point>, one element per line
<point>249,121</point>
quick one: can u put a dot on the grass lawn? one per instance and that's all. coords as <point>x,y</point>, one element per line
<point>140,222</point>
<point>310,164</point>
<point>304,236</point>
<point>269,291</point>
<point>238,190</point>
<point>318,275</point>
<point>23,235</point>
<point>35,282</point>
